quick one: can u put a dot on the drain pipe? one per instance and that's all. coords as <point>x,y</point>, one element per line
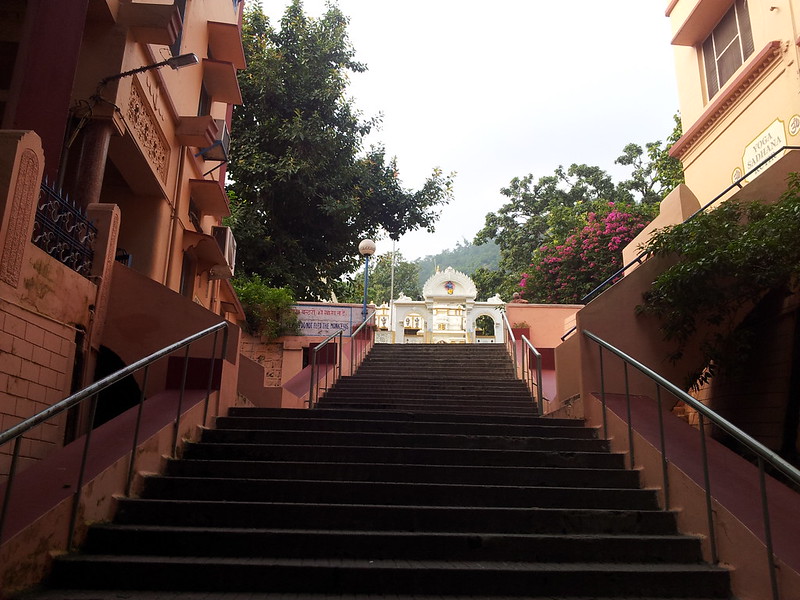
<point>174,218</point>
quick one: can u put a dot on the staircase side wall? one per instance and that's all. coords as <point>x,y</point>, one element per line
<point>739,548</point>
<point>44,307</point>
<point>25,558</point>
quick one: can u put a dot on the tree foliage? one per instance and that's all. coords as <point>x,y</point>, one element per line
<point>548,211</point>
<point>406,281</point>
<point>268,310</point>
<point>728,260</point>
<point>563,273</point>
<point>304,191</point>
<point>465,257</point>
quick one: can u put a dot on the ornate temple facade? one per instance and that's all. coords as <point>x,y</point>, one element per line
<point>448,314</point>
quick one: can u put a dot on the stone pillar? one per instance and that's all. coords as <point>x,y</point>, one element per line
<point>106,217</point>
<point>21,167</point>
<point>93,161</point>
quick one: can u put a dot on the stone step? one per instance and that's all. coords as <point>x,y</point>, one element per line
<point>361,517</point>
<point>394,493</point>
<point>363,415</point>
<point>348,471</point>
<point>386,545</point>
<point>477,407</point>
<point>402,440</point>
<point>344,576</point>
<point>403,455</point>
<point>342,425</point>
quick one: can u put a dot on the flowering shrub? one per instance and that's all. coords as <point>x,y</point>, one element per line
<point>564,272</point>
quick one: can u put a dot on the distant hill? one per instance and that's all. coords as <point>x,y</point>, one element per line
<point>465,257</point>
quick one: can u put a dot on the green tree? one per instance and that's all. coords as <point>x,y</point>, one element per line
<point>268,311</point>
<point>304,191</point>
<point>555,207</point>
<point>564,272</point>
<point>489,282</point>
<point>655,173</point>
<point>406,280</point>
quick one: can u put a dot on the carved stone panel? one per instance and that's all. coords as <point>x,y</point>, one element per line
<point>145,127</point>
<point>23,205</point>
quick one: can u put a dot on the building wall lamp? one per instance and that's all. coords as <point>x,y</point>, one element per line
<point>175,62</point>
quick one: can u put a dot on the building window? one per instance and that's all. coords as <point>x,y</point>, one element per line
<point>175,48</point>
<point>188,275</point>
<point>727,47</point>
<point>204,104</point>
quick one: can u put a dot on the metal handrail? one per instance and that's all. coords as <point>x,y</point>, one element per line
<point>361,342</point>
<point>313,391</point>
<point>643,255</point>
<point>524,372</point>
<point>527,374</point>
<point>763,454</point>
<point>91,392</point>
<point>355,338</point>
<point>510,340</point>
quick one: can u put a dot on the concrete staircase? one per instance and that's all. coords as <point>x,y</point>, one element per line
<point>425,474</point>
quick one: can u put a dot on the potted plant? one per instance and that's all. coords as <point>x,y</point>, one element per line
<point>521,328</point>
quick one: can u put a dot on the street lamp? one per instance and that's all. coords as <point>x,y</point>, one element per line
<point>367,249</point>
<point>175,62</point>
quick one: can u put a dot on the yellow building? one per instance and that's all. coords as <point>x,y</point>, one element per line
<point>737,72</point>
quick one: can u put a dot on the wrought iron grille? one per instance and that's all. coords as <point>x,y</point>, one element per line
<point>62,230</point>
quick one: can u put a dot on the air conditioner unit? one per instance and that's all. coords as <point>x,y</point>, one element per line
<point>219,149</point>
<point>227,245</point>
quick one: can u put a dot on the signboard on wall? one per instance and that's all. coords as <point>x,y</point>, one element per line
<point>321,320</point>
<point>766,143</point>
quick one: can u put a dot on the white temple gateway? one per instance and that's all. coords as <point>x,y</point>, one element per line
<point>448,314</point>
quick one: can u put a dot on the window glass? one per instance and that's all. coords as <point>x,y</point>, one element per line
<point>727,47</point>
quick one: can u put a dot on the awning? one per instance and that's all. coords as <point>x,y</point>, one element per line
<point>209,197</point>
<point>219,77</point>
<point>208,253</point>
<point>225,42</point>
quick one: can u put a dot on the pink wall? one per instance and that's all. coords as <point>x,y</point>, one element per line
<point>548,322</point>
<point>45,71</point>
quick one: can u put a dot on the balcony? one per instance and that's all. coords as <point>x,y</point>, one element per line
<point>152,21</point>
<point>219,77</point>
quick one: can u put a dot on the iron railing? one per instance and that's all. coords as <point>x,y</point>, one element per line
<point>529,368</point>
<point>316,379</point>
<point>510,341</point>
<point>62,230</point>
<point>643,255</point>
<point>17,433</point>
<point>361,341</point>
<point>764,456</point>
<point>532,371</point>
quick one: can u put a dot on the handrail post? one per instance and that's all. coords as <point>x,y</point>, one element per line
<point>707,482</point>
<point>630,420</point>
<point>213,363</point>
<point>767,529</point>
<point>312,382</point>
<point>539,391</point>
<point>603,394</point>
<point>664,463</point>
<point>132,460</point>
<point>352,351</point>
<point>12,471</point>
<point>76,498</point>
<point>180,404</point>
<point>341,341</point>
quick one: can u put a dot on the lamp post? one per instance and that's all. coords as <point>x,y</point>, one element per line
<point>367,249</point>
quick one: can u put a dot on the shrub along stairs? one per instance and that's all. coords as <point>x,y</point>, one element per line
<point>425,474</point>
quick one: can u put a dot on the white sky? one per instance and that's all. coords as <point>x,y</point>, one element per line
<point>496,90</point>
